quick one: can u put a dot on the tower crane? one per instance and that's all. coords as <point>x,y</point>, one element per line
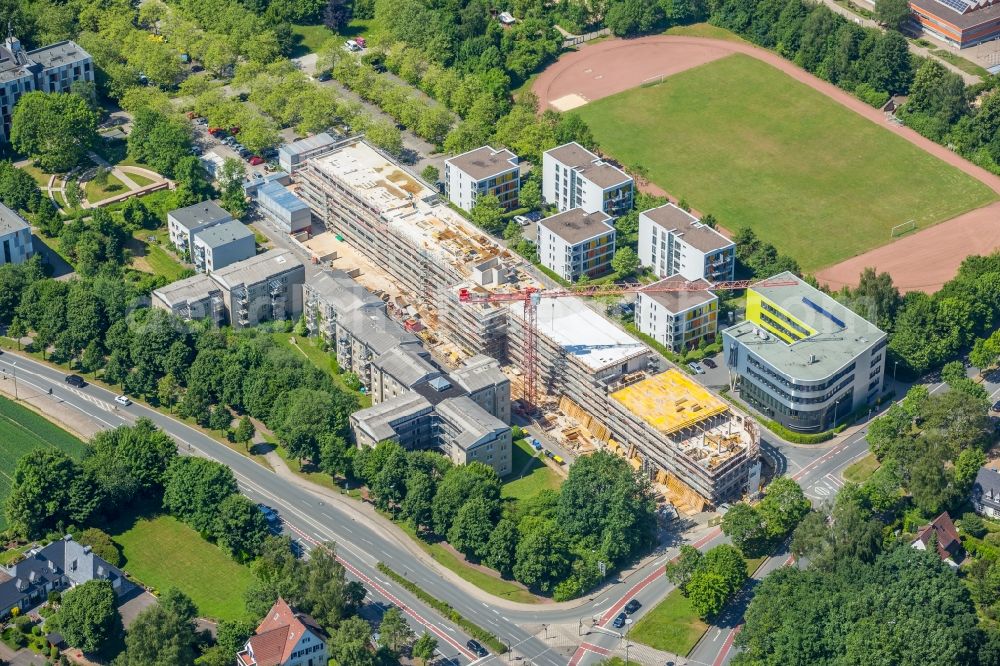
<point>532,296</point>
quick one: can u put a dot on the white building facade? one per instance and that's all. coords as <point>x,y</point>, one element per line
<point>678,320</point>
<point>184,223</point>
<point>221,245</point>
<point>15,237</point>
<point>482,172</point>
<point>574,177</point>
<point>576,243</point>
<point>674,242</point>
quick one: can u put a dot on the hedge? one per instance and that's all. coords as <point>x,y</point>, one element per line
<point>447,611</point>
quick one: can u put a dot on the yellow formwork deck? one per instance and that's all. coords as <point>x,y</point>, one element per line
<point>670,401</point>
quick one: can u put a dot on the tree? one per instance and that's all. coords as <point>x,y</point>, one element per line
<point>220,419</point>
<point>708,592</point>
<point>726,561</point>
<point>240,527</point>
<point>163,634</point>
<point>625,262</point>
<point>542,555</point>
<point>470,532</point>
<point>231,178</point>
<point>337,14</point>
<point>48,488</point>
<point>460,485</point>
<point>783,506</point>
<point>531,194</point>
<point>195,489</point>
<point>487,213</point>
<point>680,569</point>
<point>627,18</point>
<point>56,130</point>
<point>102,545</point>
<point>893,14</point>
<point>745,526</point>
<point>130,461</point>
<point>424,648</point>
<point>349,643</point>
<point>430,173</point>
<point>394,632</point>
<point>501,548</point>
<point>88,617</point>
<point>244,432</point>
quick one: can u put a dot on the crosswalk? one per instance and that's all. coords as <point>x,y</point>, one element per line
<point>824,488</point>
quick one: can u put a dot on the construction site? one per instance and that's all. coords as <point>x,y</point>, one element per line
<point>586,382</point>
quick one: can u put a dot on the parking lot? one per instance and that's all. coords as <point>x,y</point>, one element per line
<point>225,145</point>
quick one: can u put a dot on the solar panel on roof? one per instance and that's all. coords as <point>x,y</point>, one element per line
<point>960,6</point>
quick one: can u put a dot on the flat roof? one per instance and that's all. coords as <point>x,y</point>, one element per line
<point>472,421</point>
<point>582,333</point>
<point>840,336</point>
<point>198,214</point>
<point>679,301</point>
<point>688,227</point>
<point>257,269</point>
<point>670,401</point>
<point>408,205</point>
<point>10,221</point>
<point>308,144</point>
<point>485,162</point>
<point>224,233</point>
<point>577,225</point>
<point>281,197</point>
<point>378,420</point>
<point>341,292</point>
<point>962,20</point>
<point>194,288</point>
<point>58,54</point>
<point>589,165</point>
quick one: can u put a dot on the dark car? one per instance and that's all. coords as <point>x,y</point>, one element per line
<point>476,648</point>
<point>996,406</point>
<point>632,607</point>
<point>75,380</point>
<point>709,362</point>
<point>619,621</point>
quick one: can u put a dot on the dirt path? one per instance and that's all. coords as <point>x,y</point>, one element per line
<point>923,261</point>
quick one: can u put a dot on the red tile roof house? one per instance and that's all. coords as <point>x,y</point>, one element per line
<point>285,638</point>
<point>949,546</point>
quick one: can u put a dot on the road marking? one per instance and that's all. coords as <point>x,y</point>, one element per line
<point>727,646</point>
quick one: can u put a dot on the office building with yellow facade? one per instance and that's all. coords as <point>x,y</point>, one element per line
<point>801,358</point>
<point>576,243</point>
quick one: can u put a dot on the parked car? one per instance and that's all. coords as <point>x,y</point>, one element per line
<point>548,454</point>
<point>522,220</point>
<point>270,514</point>
<point>351,45</point>
<point>709,362</point>
<point>996,406</point>
<point>476,648</point>
<point>696,369</point>
<point>361,41</point>
<point>215,131</point>
<point>324,76</point>
<point>535,444</point>
<point>123,400</point>
<point>76,380</point>
<point>619,621</point>
<point>559,460</point>
<point>256,160</point>
<point>632,607</point>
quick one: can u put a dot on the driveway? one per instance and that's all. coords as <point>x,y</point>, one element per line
<point>20,658</point>
<point>134,605</point>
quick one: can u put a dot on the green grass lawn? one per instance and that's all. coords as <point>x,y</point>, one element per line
<point>21,431</point>
<point>310,38</point>
<point>703,30</point>
<point>671,625</point>
<point>741,140</point>
<point>153,258</point>
<point>97,192</point>
<point>163,552</point>
<point>40,176</point>
<point>139,179</point>
<point>310,347</point>
<point>862,470</point>
<point>536,476</point>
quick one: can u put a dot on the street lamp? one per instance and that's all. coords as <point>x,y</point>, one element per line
<point>13,372</point>
<point>628,625</point>
<point>894,364</point>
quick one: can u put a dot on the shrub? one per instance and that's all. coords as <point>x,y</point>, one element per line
<point>867,94</point>
<point>973,524</point>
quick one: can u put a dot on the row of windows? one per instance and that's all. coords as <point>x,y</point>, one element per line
<point>309,650</point>
<point>793,399</point>
<point>801,388</point>
<point>802,331</point>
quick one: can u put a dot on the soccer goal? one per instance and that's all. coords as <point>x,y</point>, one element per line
<point>653,80</point>
<point>904,228</point>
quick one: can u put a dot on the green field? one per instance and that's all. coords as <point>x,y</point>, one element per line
<point>163,552</point>
<point>21,431</point>
<point>529,475</point>
<point>672,625</point>
<point>862,470</point>
<point>745,142</point>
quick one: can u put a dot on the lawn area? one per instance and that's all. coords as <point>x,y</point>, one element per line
<point>96,192</point>
<point>703,30</point>
<point>446,558</point>
<point>163,552</point>
<point>862,470</point>
<point>310,38</point>
<point>671,625</point>
<point>741,140</point>
<point>21,431</point>
<point>139,179</point>
<point>535,477</point>
<point>40,176</point>
<point>153,258</point>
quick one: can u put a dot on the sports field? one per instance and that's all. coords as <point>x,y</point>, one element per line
<point>21,431</point>
<point>738,138</point>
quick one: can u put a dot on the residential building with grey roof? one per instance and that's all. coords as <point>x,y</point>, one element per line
<point>678,320</point>
<point>223,244</point>
<point>672,241</point>
<point>575,242</point>
<point>184,223</point>
<point>51,69</point>
<point>801,358</point>
<point>574,177</point>
<point>15,237</point>
<point>482,172</point>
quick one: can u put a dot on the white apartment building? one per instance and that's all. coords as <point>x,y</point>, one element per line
<point>481,172</point>
<point>575,243</point>
<point>678,320</point>
<point>52,68</point>
<point>574,177</point>
<point>675,242</point>
<point>221,245</point>
<point>15,237</point>
<point>184,223</point>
